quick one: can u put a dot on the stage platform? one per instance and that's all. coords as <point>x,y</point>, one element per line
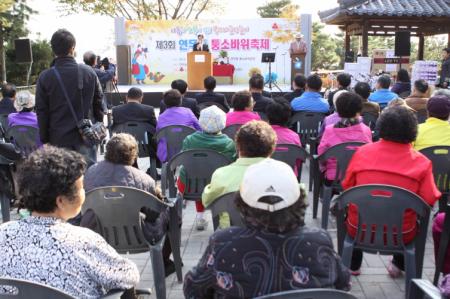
<point>153,93</point>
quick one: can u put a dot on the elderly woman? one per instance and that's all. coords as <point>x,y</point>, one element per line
<point>391,161</point>
<point>242,103</point>
<point>278,112</point>
<point>274,252</point>
<point>24,104</point>
<point>44,248</point>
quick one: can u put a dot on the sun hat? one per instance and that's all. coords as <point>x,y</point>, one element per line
<point>269,178</point>
<point>212,119</point>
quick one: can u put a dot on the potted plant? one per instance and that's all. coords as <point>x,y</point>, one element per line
<point>224,55</point>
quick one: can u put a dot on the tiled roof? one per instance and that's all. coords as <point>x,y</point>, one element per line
<point>405,8</point>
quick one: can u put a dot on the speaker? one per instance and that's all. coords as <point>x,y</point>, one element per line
<point>123,58</point>
<point>23,51</point>
<point>402,43</point>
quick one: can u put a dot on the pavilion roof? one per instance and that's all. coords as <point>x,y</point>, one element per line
<point>385,9</point>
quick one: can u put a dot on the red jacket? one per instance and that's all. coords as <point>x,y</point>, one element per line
<point>396,164</point>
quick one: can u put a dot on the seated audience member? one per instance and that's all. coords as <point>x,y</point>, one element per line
<point>242,102</point>
<point>134,110</point>
<point>255,141</point>
<point>298,86</point>
<point>256,86</point>
<point>278,112</point>
<point>349,128</point>
<point>173,115</point>
<point>190,103</point>
<point>419,97</point>
<point>383,95</point>
<point>403,84</point>
<point>438,227</point>
<point>274,252</point>
<point>24,104</point>
<point>334,117</point>
<point>399,102</point>
<point>8,96</point>
<point>212,122</point>
<point>311,100</point>
<point>363,90</point>
<point>436,129</point>
<point>442,92</point>
<point>391,161</point>
<point>209,96</point>
<point>344,80</point>
<point>117,170</point>
<point>43,248</point>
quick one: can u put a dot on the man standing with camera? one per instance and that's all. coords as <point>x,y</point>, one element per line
<point>69,101</point>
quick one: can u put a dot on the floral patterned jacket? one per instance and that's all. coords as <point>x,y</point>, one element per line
<point>246,263</point>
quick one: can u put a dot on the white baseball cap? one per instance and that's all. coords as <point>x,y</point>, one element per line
<point>270,178</point>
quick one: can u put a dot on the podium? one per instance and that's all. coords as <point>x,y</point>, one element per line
<point>297,65</point>
<point>199,66</point>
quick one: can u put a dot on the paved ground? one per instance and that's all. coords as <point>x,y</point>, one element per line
<point>373,283</point>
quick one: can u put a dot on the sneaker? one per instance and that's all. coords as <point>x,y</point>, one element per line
<point>355,272</point>
<point>201,224</point>
<point>393,270</point>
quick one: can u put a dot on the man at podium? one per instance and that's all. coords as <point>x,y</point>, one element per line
<point>299,46</point>
<point>200,45</point>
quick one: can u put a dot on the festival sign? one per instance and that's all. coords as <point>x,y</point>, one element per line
<point>159,48</point>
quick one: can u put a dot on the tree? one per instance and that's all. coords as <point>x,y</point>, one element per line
<point>323,47</point>
<point>142,9</point>
<point>275,9</point>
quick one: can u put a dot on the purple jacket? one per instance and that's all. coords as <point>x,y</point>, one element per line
<point>23,119</point>
<point>174,116</point>
<point>333,136</point>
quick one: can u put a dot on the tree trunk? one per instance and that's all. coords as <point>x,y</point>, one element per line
<point>2,57</point>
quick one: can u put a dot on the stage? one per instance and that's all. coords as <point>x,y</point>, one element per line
<point>153,93</point>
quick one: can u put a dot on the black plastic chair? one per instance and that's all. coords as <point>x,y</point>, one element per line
<point>422,116</point>
<point>381,209</point>
<point>290,154</point>
<point>420,287</point>
<point>310,294</point>
<point>9,154</point>
<point>4,121</point>
<point>26,138</point>
<point>205,105</point>
<point>174,137</point>
<point>118,210</point>
<point>307,125</point>
<point>370,120</point>
<point>232,130</point>
<point>343,153</point>
<point>143,132</point>
<point>198,166</point>
<point>443,245</point>
<point>23,289</point>
<point>263,116</point>
<point>225,204</point>
<point>440,158</point>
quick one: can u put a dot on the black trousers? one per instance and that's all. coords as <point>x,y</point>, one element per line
<point>357,257</point>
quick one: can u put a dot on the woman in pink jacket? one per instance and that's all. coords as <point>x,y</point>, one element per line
<point>348,129</point>
<point>242,103</point>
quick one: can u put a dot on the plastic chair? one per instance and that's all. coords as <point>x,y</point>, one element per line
<point>4,121</point>
<point>420,287</point>
<point>204,105</point>
<point>143,132</point>
<point>174,136</point>
<point>24,289</point>
<point>198,166</point>
<point>381,208</point>
<point>422,116</point>
<point>225,204</point>
<point>370,120</point>
<point>232,130</point>
<point>440,158</point>
<point>26,138</point>
<point>118,210</point>
<point>443,244</point>
<point>291,154</point>
<point>310,294</point>
<point>307,125</point>
<point>9,154</point>
<point>343,153</point>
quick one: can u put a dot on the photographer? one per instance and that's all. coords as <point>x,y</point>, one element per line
<point>68,100</point>
<point>105,71</point>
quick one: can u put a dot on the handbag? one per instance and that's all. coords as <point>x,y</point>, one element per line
<point>92,134</point>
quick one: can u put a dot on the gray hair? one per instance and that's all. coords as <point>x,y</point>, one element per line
<point>442,92</point>
<point>24,99</point>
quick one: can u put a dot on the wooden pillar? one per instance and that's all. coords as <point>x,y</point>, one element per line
<point>420,53</point>
<point>365,40</point>
<point>347,40</point>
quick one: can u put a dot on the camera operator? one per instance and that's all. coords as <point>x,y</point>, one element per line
<point>68,99</point>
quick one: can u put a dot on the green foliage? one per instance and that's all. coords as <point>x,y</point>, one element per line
<point>273,9</point>
<point>324,55</point>
<point>433,48</point>
<point>12,21</point>
<point>17,73</point>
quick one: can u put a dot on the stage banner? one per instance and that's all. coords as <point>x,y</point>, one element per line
<point>159,48</point>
